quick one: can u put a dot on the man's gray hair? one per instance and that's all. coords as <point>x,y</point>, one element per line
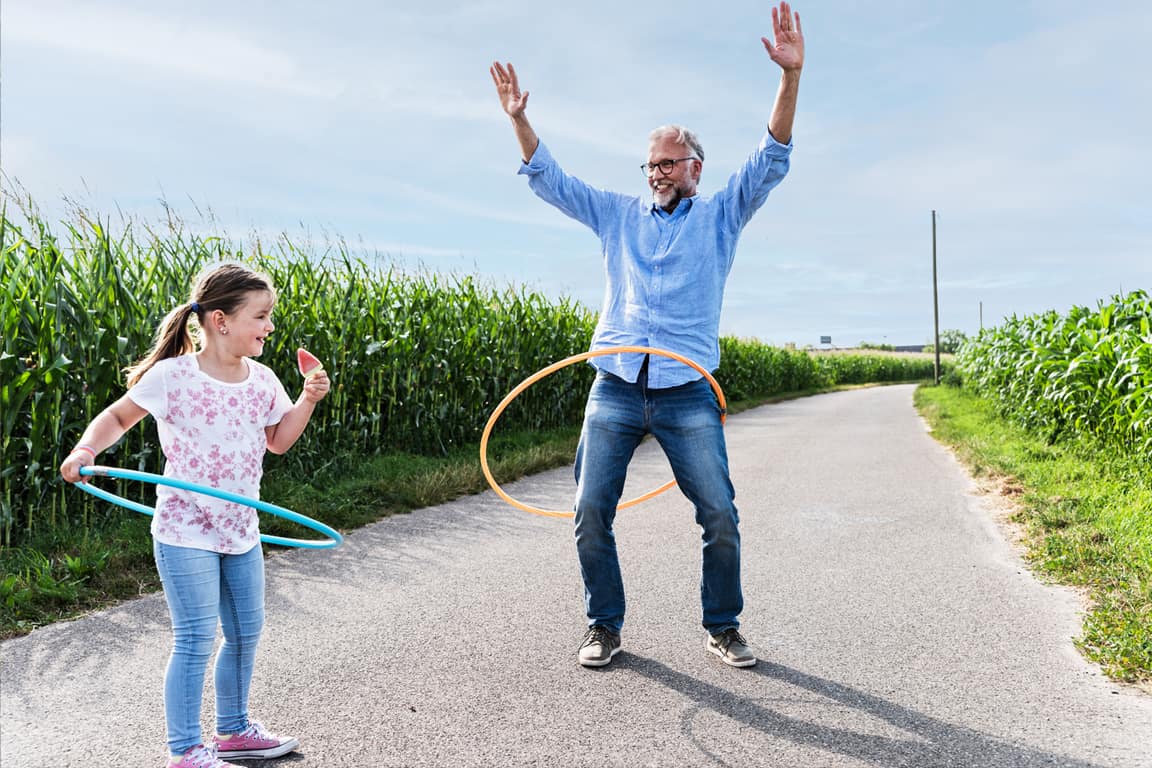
<point>682,136</point>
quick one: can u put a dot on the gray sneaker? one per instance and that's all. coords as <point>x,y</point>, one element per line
<point>598,647</point>
<point>732,648</point>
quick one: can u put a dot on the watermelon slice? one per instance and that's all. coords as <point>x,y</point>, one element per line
<point>309,364</point>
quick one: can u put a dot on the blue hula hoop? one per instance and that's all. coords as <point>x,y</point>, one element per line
<point>334,537</point>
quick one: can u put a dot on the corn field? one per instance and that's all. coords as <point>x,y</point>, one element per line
<point>417,361</point>
<point>1084,374</point>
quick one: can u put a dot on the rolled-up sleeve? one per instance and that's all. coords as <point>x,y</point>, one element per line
<point>748,187</point>
<point>570,195</point>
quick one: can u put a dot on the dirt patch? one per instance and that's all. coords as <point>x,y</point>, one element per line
<point>1001,497</point>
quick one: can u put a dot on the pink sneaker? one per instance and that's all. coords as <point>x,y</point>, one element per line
<point>254,742</point>
<point>201,756</point>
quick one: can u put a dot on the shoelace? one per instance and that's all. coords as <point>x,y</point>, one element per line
<point>204,756</point>
<point>729,636</point>
<point>253,731</point>
<point>256,731</point>
<point>596,634</point>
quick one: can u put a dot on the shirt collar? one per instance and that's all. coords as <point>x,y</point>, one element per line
<point>684,206</point>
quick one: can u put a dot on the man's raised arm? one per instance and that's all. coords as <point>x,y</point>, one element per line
<point>788,51</point>
<point>514,103</point>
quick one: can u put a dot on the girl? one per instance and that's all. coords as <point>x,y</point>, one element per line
<point>217,411</point>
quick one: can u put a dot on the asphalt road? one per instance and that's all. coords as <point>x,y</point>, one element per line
<point>895,627</point>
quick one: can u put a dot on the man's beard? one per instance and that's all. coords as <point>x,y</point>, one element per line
<point>668,196</point>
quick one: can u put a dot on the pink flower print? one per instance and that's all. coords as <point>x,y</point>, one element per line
<point>170,517</point>
<point>175,450</point>
<point>176,405</point>
<point>214,464</point>
<point>197,400</point>
<point>228,469</point>
<point>235,421</point>
<point>202,519</point>
<point>252,463</point>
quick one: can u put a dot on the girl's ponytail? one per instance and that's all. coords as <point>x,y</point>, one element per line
<point>172,340</point>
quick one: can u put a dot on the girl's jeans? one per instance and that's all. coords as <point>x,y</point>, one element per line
<point>202,588</point>
<point>686,422</point>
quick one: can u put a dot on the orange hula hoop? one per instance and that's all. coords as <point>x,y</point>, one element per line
<point>548,371</point>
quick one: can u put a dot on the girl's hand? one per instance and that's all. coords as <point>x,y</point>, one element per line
<point>70,469</point>
<point>316,388</point>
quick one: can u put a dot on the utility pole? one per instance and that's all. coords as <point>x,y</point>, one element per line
<point>981,315</point>
<point>935,300</point>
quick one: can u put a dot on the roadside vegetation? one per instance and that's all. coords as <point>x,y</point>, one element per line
<point>418,361</point>
<point>1056,410</point>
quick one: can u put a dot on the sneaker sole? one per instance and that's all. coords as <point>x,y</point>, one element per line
<point>599,662</point>
<point>741,663</point>
<point>259,754</point>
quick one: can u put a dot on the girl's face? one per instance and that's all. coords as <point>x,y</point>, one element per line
<point>248,327</point>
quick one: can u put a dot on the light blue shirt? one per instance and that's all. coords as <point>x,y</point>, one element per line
<point>665,271</point>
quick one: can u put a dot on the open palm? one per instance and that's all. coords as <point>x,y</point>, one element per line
<point>787,49</point>
<point>508,88</point>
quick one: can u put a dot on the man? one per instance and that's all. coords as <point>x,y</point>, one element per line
<point>666,264</point>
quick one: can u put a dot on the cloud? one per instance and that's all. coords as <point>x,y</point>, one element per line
<point>179,44</point>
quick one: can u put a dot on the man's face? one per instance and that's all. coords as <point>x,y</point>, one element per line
<point>680,182</point>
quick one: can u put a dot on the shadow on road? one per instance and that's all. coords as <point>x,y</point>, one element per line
<point>924,742</point>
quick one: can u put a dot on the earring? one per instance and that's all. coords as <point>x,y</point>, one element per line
<point>223,331</point>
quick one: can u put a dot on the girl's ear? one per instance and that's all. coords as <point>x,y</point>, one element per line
<point>219,321</point>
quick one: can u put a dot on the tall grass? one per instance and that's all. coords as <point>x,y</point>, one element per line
<point>417,360</point>
<point>1085,374</point>
<point>869,368</point>
<point>750,370</point>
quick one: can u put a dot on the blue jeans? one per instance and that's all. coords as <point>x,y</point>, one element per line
<point>686,422</point>
<point>205,588</point>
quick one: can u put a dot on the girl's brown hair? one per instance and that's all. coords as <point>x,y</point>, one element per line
<point>224,287</point>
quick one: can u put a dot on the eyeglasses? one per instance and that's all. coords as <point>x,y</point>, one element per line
<point>665,166</point>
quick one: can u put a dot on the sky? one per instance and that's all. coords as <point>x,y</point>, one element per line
<point>1024,124</point>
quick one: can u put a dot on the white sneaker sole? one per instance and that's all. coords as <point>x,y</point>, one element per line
<point>259,754</point>
<point>599,662</point>
<point>749,662</point>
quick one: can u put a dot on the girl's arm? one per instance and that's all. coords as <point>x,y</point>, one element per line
<point>284,435</point>
<point>108,427</point>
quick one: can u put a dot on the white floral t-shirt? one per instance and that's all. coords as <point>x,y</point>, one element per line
<point>212,433</point>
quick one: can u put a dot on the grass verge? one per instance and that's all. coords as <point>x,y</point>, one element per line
<point>1086,514</point>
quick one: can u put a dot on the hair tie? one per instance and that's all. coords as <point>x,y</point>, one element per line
<point>196,307</point>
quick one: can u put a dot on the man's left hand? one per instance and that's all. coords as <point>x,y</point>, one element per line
<point>788,49</point>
